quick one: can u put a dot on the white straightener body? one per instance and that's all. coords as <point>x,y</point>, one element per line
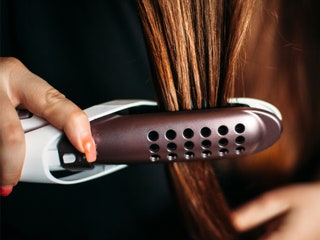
<point>134,131</point>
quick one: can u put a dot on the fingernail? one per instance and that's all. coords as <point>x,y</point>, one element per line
<point>89,149</point>
<point>5,191</point>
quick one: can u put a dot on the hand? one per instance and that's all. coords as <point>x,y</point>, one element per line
<point>20,87</point>
<point>296,209</point>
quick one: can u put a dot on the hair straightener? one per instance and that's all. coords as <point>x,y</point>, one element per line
<point>134,131</point>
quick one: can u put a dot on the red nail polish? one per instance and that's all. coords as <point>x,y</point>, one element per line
<point>5,191</point>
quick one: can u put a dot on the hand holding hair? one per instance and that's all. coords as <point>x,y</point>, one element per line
<point>289,213</point>
<point>20,87</point>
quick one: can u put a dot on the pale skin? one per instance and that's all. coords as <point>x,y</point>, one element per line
<point>298,205</point>
<point>296,209</point>
<point>20,87</point>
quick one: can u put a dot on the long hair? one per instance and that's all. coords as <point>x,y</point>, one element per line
<point>196,50</point>
<point>200,50</point>
<point>282,63</point>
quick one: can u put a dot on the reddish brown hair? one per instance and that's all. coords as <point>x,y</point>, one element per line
<point>201,50</point>
<point>196,50</point>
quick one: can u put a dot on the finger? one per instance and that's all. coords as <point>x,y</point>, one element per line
<point>45,101</point>
<point>12,145</point>
<point>50,104</point>
<point>260,210</point>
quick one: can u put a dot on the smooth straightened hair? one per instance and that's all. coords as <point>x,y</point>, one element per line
<point>196,50</point>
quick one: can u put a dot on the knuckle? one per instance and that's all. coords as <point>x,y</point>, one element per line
<point>10,65</point>
<point>7,65</point>
<point>53,96</point>
<point>51,101</point>
<point>9,61</point>
<point>11,70</point>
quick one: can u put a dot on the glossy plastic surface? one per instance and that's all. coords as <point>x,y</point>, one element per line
<point>130,131</point>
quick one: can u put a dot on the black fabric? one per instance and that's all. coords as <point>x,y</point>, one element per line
<point>92,51</point>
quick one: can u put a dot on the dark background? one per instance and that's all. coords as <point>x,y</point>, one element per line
<point>92,51</point>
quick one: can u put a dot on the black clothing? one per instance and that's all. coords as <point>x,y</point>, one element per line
<point>92,51</point>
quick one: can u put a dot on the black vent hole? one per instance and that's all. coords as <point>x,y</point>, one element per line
<point>153,136</point>
<point>205,132</point>
<point>172,156</point>
<point>223,152</point>
<point>206,154</point>
<point>154,148</point>
<point>223,130</point>
<point>223,142</point>
<point>240,150</point>
<point>189,155</point>
<point>206,144</point>
<point>188,133</point>
<point>188,145</point>
<point>240,140</point>
<point>239,128</point>
<point>171,134</point>
<point>171,147</point>
<point>154,157</point>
